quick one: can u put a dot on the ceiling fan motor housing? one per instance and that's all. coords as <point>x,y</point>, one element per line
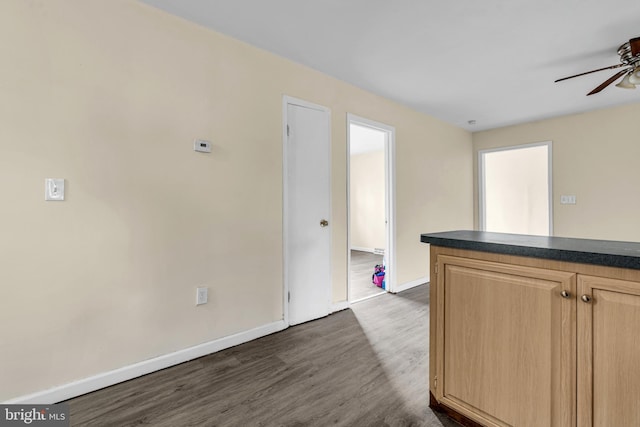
<point>630,56</point>
<point>630,52</point>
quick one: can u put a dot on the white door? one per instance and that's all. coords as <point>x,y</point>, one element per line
<point>307,211</point>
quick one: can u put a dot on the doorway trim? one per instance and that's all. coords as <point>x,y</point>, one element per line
<point>390,199</point>
<point>286,101</point>
<point>481,181</point>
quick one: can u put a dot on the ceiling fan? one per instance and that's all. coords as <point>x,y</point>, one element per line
<point>629,59</point>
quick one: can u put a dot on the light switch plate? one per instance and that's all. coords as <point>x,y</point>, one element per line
<point>54,189</point>
<point>202,296</point>
<point>202,146</point>
<point>568,200</point>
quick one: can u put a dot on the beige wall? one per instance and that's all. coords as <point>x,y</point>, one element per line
<point>595,158</point>
<point>110,95</point>
<point>367,202</point>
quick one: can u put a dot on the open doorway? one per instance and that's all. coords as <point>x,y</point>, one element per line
<point>515,189</point>
<point>370,206</point>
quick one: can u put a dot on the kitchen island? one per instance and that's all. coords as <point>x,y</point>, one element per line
<point>533,330</point>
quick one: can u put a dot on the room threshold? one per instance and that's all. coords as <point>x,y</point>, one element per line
<point>369,297</point>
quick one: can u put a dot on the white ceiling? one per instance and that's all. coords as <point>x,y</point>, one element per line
<point>493,61</point>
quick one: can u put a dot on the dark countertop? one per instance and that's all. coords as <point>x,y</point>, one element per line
<point>585,251</point>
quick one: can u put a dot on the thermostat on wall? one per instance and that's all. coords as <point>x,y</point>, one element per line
<point>202,146</point>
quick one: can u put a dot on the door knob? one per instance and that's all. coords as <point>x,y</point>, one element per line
<point>324,223</point>
<point>586,298</point>
<point>565,294</point>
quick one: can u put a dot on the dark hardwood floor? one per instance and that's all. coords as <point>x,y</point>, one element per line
<point>366,366</point>
<point>362,267</point>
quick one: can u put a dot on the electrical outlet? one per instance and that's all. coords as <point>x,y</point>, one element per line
<point>202,296</point>
<point>54,189</point>
<point>568,200</point>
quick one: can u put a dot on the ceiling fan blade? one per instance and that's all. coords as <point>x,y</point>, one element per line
<point>635,46</point>
<point>607,82</point>
<point>592,71</point>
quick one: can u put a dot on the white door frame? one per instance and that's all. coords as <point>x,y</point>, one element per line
<point>390,198</point>
<point>482,223</point>
<point>286,101</point>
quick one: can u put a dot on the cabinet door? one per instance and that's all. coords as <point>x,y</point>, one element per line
<point>608,352</point>
<point>506,343</point>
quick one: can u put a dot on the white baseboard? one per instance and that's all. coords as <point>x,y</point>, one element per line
<point>361,249</point>
<point>105,379</point>
<point>411,284</point>
<point>339,306</point>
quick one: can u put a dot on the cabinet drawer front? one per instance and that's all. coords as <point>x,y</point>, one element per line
<point>506,342</point>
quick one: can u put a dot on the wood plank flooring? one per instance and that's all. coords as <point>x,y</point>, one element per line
<point>362,267</point>
<point>367,366</point>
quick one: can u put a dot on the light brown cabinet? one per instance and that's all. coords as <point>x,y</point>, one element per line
<point>513,343</point>
<point>608,352</point>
